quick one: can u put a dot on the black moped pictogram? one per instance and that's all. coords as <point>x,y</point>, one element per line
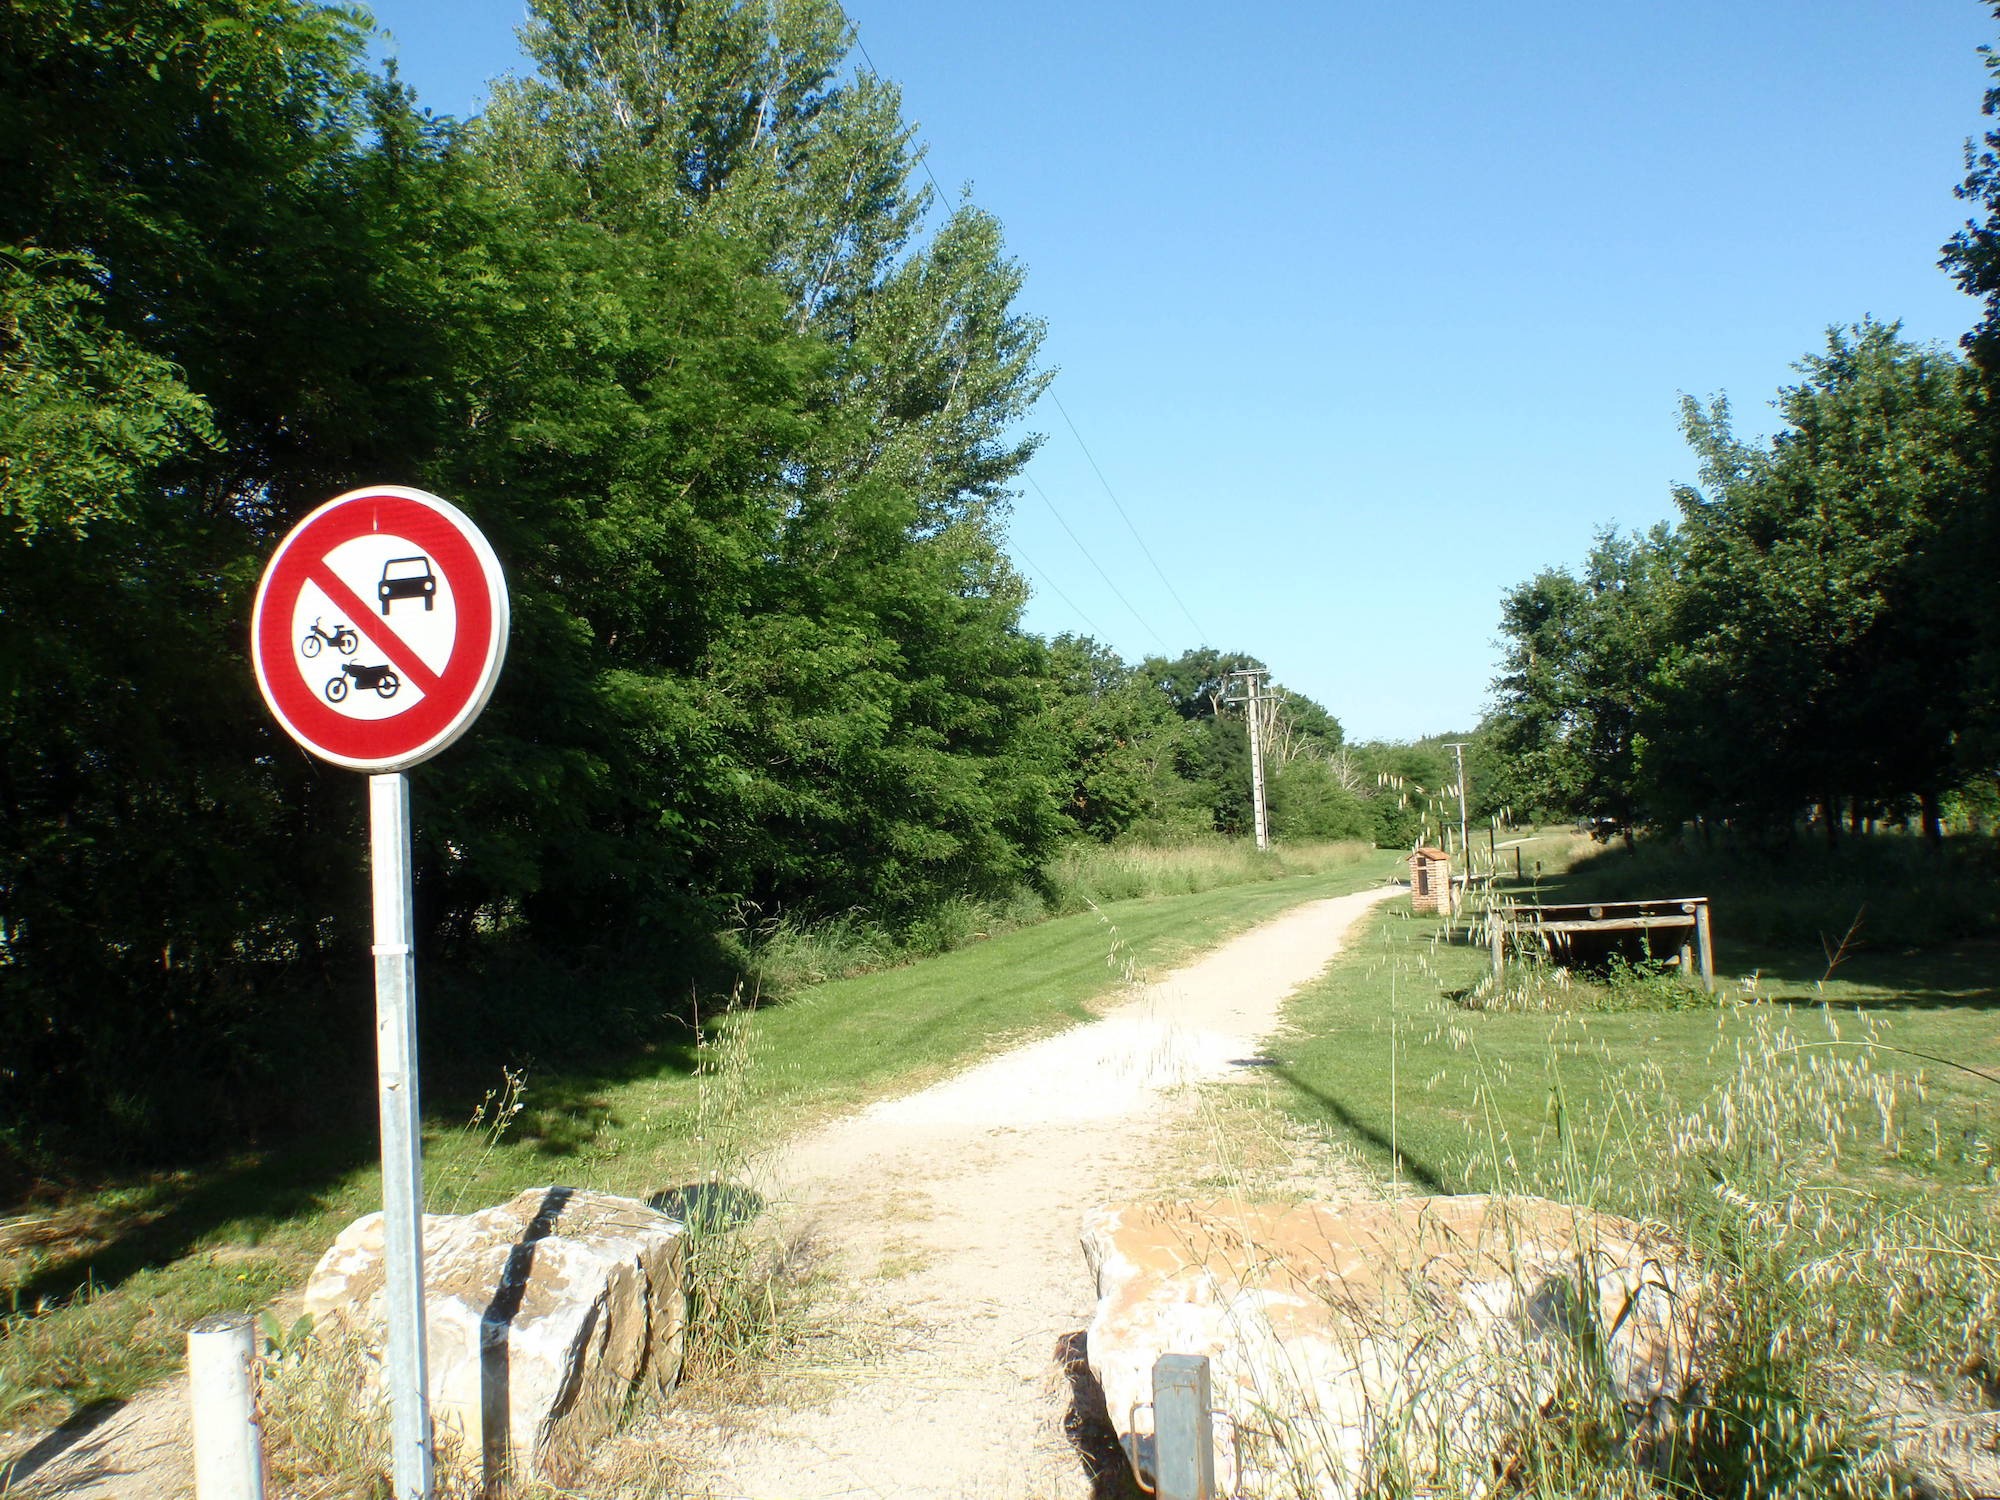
<point>342,638</point>
<point>383,679</point>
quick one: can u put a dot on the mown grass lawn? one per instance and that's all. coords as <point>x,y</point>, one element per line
<point>1383,1049</point>
<point>1822,1136</point>
<point>98,1290</point>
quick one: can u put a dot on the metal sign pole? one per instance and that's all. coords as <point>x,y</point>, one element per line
<point>402,1140</point>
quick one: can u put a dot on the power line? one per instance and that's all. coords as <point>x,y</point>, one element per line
<point>1042,577</point>
<point>1199,632</point>
<point>1144,623</point>
<point>923,158</point>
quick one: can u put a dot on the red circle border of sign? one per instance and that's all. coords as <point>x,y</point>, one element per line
<point>478,645</point>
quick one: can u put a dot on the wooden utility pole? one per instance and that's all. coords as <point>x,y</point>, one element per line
<point>1253,702</point>
<point>1464,882</point>
<point>1464,849</point>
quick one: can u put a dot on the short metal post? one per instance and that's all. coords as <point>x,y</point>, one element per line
<point>222,1392</point>
<point>1184,1453</point>
<point>1706,944</point>
<point>402,1138</point>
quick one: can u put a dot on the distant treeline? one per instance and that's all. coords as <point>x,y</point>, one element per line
<point>1817,635</point>
<point>669,322</point>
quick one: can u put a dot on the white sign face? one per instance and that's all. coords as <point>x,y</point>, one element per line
<point>380,628</point>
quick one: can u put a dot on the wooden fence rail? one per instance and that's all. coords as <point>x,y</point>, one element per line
<point>1549,926</point>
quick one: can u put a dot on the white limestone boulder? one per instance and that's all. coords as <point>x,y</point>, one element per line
<point>544,1315</point>
<point>1377,1347</point>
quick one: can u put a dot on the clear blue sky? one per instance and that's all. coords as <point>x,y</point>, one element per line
<point>1370,311</point>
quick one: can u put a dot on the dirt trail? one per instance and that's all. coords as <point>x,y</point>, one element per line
<point>951,1218</point>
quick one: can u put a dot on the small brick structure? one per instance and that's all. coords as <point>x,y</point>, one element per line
<point>1430,879</point>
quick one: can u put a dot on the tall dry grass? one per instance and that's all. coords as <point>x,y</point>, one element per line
<point>749,1290</point>
<point>1094,873</point>
<point>782,953</point>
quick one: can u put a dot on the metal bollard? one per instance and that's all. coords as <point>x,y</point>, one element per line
<point>222,1386</point>
<point>1184,1455</point>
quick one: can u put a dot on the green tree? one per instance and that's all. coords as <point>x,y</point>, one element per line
<point>1971,543</point>
<point>212,315</point>
<point>1311,799</point>
<point>1818,625</point>
<point>1121,743</point>
<point>1573,697</point>
<point>812,615</point>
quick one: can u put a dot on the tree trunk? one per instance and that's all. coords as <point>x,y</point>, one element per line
<point>1854,816</point>
<point>1829,816</point>
<point>1933,827</point>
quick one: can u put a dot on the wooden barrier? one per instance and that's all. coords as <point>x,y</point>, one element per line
<point>1549,926</point>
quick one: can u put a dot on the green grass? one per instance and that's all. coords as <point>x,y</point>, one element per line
<point>1825,1132</point>
<point>1904,894</point>
<point>1382,1048</point>
<point>97,1290</point>
<point>781,955</point>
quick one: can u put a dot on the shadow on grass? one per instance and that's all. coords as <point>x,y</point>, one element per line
<point>262,1192</point>
<point>294,1178</point>
<point>1861,949</point>
<point>1965,974</point>
<point>1797,894</point>
<point>1419,1171</point>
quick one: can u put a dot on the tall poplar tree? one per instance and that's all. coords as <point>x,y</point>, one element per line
<point>834,703</point>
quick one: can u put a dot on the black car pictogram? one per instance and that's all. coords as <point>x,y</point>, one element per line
<point>407,578</point>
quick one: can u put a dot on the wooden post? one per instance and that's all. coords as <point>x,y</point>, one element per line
<point>1496,934</point>
<point>1517,861</point>
<point>1706,944</point>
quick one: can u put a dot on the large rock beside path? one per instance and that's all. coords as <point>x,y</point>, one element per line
<point>1387,1347</point>
<point>544,1315</point>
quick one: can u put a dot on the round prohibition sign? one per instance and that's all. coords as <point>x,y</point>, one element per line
<point>380,628</point>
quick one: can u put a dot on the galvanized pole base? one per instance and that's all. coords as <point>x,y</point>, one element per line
<point>402,1137</point>
<point>1185,1434</point>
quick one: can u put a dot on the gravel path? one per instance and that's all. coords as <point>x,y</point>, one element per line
<point>951,1218</point>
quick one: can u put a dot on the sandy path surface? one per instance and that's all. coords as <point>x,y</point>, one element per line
<point>135,1451</point>
<point>951,1217</point>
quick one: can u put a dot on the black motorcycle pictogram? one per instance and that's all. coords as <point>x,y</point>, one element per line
<point>383,679</point>
<point>342,638</point>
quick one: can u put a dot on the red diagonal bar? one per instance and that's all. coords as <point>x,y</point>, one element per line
<point>385,640</point>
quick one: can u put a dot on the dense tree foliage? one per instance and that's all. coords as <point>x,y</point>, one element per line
<point>1798,641</point>
<point>668,322</point>
<point>1971,549</point>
